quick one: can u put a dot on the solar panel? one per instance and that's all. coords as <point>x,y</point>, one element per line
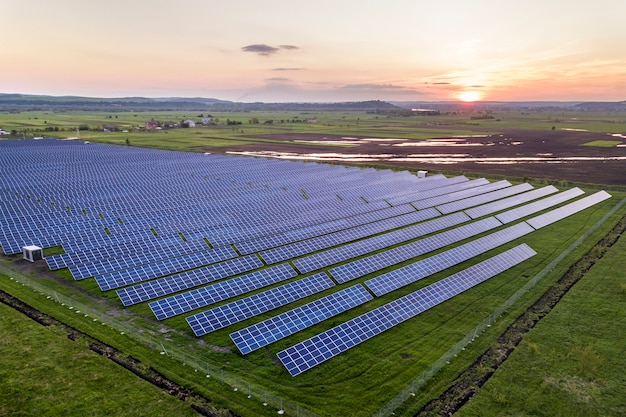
<point>509,202</point>
<point>483,198</point>
<point>406,275</point>
<point>201,297</point>
<point>135,255</point>
<point>185,280</point>
<point>373,263</point>
<point>572,208</point>
<point>141,273</point>
<point>267,242</point>
<point>374,243</point>
<point>293,250</point>
<point>236,311</point>
<point>537,206</point>
<point>459,195</point>
<point>278,327</point>
<point>324,346</point>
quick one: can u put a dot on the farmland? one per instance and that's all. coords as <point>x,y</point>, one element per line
<point>361,381</point>
<point>542,144</point>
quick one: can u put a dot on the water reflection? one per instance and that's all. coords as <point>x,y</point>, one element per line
<point>443,159</point>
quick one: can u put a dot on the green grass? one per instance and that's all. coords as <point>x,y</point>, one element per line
<point>603,143</point>
<point>44,373</point>
<point>572,363</point>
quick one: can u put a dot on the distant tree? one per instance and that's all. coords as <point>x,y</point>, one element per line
<point>553,127</point>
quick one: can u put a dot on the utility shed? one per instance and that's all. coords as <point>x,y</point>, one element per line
<point>32,253</point>
<point>422,174</point>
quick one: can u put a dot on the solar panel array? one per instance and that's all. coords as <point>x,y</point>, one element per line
<point>245,236</point>
<point>278,327</point>
<point>245,308</point>
<point>309,353</point>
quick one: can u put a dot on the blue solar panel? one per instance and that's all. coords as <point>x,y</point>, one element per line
<point>374,243</point>
<point>267,242</point>
<point>324,346</point>
<point>459,195</point>
<point>139,255</point>
<point>509,202</point>
<point>185,280</point>
<point>398,278</point>
<point>293,250</point>
<point>373,263</point>
<point>278,327</point>
<point>236,311</point>
<point>572,208</point>
<point>162,268</point>
<point>483,198</point>
<point>201,297</point>
<point>537,206</point>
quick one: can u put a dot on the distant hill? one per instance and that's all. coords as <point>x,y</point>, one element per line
<point>602,105</point>
<point>23,102</point>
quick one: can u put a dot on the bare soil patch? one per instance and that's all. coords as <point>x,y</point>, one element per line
<point>586,164</point>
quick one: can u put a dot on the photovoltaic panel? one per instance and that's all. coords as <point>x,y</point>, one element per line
<point>459,184</point>
<point>304,247</point>
<point>374,243</point>
<point>537,206</point>
<point>361,267</point>
<point>125,259</point>
<point>185,280</point>
<point>236,311</point>
<point>267,242</point>
<point>459,195</point>
<point>141,273</point>
<point>572,208</point>
<point>278,327</point>
<point>201,297</point>
<point>324,346</point>
<point>509,202</point>
<point>483,198</point>
<point>406,275</point>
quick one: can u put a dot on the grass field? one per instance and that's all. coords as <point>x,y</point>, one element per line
<point>360,381</point>
<point>336,123</point>
<point>572,363</point>
<point>603,143</point>
<point>43,372</point>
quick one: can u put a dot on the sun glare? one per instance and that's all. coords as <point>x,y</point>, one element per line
<point>469,96</point>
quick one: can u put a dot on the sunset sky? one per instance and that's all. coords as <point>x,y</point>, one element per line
<point>321,51</point>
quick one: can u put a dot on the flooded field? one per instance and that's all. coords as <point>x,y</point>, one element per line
<point>554,155</point>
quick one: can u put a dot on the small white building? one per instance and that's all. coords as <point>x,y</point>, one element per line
<point>422,174</point>
<point>32,253</point>
<point>189,123</point>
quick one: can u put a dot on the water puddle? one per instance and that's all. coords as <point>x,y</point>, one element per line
<point>441,159</point>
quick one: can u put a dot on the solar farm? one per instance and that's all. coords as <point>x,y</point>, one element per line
<point>295,268</point>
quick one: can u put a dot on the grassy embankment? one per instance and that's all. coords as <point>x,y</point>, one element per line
<point>572,363</point>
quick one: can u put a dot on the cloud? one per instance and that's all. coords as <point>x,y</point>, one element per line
<point>287,69</point>
<point>277,80</point>
<point>267,50</point>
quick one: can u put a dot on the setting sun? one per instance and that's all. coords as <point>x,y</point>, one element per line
<point>469,96</point>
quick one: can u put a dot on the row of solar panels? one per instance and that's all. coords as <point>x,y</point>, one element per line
<point>361,238</point>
